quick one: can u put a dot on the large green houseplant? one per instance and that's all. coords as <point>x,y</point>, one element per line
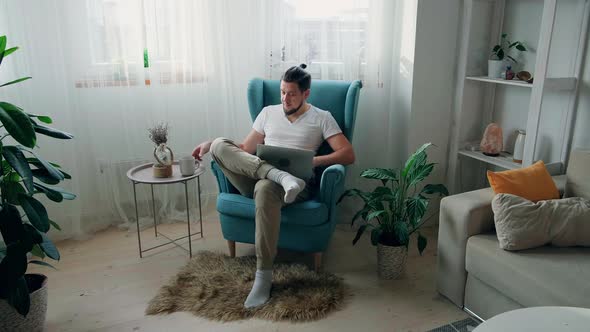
<point>24,222</point>
<point>394,210</point>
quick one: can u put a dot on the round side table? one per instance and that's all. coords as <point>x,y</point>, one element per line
<point>143,174</point>
<point>539,319</point>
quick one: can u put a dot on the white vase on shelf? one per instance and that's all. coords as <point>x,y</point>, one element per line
<point>519,146</point>
<point>495,68</point>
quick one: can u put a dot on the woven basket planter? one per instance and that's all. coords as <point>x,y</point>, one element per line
<point>391,261</point>
<point>35,321</point>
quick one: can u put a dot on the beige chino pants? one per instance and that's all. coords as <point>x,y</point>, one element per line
<point>248,174</point>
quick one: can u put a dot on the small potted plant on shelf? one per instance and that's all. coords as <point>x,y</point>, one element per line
<point>395,210</point>
<point>24,221</point>
<point>496,65</point>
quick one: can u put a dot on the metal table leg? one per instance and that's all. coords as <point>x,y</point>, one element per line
<point>188,221</point>
<point>154,211</point>
<point>200,211</point>
<point>137,219</point>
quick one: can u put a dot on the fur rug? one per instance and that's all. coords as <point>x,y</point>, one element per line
<point>215,286</point>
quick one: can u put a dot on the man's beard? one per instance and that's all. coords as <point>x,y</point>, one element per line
<point>292,111</point>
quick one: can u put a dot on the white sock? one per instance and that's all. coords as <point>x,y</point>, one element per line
<point>292,185</point>
<point>260,292</point>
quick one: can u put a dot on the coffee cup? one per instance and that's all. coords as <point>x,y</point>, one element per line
<point>187,165</point>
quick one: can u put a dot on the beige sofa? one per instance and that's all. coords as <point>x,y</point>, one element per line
<point>478,276</point>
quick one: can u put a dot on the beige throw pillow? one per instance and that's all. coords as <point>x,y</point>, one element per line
<point>522,224</point>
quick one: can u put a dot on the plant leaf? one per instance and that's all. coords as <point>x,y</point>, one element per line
<point>11,224</point>
<point>16,81</point>
<point>14,264</point>
<point>422,242</point>
<point>10,51</point>
<point>42,118</point>
<point>2,47</point>
<point>36,162</point>
<point>420,174</point>
<point>51,132</point>
<point>500,54</point>
<point>359,213</point>
<point>354,192</point>
<point>413,158</point>
<point>496,48</point>
<point>375,235</point>
<point>402,232</point>
<point>511,58</point>
<point>36,212</point>
<point>54,224</point>
<point>18,296</point>
<point>50,193</point>
<point>49,248</point>
<point>359,233</point>
<point>17,124</point>
<point>440,189</point>
<point>64,194</point>
<point>18,162</point>
<point>416,208</point>
<point>42,263</point>
<point>37,251</point>
<point>44,176</point>
<point>380,174</point>
<point>53,172</point>
<point>375,214</point>
<point>520,47</point>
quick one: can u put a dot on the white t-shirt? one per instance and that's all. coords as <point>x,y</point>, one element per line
<point>308,132</point>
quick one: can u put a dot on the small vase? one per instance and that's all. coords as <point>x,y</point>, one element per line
<point>495,68</point>
<point>391,261</point>
<point>519,146</point>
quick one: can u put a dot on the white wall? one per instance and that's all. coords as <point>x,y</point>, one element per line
<point>434,82</point>
<point>581,135</point>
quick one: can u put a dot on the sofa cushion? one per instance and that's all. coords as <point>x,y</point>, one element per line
<point>578,175</point>
<point>533,277</point>
<point>308,213</point>
<point>533,182</point>
<point>522,224</point>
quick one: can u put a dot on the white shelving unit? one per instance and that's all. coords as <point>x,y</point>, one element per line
<point>554,57</point>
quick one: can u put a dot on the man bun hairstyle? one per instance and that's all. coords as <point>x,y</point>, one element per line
<point>297,74</point>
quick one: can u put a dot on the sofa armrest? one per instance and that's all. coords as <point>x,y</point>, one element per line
<point>331,185</point>
<point>224,185</point>
<point>461,216</point>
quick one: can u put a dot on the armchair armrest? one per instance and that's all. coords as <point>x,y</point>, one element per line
<point>331,185</point>
<point>224,185</point>
<point>461,216</point>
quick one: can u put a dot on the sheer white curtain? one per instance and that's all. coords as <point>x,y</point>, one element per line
<point>89,75</point>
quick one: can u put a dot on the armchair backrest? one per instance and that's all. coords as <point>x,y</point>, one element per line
<point>338,97</point>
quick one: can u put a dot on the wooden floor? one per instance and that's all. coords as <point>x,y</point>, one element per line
<point>103,285</point>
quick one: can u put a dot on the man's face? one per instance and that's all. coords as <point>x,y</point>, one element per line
<point>291,97</point>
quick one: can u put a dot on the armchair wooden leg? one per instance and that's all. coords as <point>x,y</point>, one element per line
<point>232,248</point>
<point>317,261</point>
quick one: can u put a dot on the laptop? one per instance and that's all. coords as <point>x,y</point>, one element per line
<point>297,162</point>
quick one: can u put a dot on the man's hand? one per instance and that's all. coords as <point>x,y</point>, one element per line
<point>201,150</point>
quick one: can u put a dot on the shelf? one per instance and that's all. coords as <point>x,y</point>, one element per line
<point>504,160</point>
<point>554,83</point>
<point>500,81</point>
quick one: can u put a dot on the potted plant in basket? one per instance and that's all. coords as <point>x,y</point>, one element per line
<point>499,53</point>
<point>395,210</point>
<point>23,219</point>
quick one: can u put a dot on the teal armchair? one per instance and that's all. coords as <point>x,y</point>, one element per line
<point>305,226</point>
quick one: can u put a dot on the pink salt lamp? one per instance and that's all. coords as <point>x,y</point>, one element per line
<point>492,141</point>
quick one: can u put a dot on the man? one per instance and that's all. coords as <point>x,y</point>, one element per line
<point>294,124</point>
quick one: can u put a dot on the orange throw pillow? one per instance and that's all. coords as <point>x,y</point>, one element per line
<point>533,183</point>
